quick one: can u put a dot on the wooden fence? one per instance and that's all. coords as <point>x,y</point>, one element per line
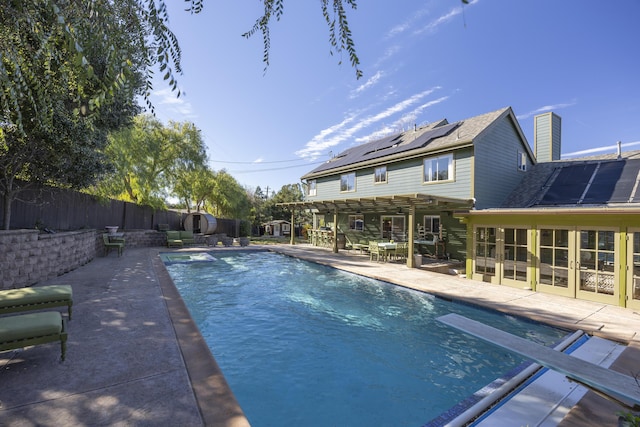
<point>63,210</point>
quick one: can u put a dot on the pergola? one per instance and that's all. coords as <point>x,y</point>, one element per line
<point>380,204</point>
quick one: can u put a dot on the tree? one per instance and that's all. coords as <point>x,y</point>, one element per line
<point>227,198</point>
<point>64,62</point>
<point>150,159</point>
<point>44,138</point>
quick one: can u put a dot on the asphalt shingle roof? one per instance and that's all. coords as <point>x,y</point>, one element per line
<point>436,136</point>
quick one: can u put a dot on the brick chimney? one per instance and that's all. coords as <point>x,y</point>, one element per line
<point>547,137</point>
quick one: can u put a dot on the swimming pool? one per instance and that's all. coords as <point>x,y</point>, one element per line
<point>304,344</point>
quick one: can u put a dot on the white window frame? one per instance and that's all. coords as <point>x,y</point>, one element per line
<point>356,222</point>
<point>380,175</point>
<point>348,182</point>
<point>313,187</point>
<point>428,172</point>
<point>522,161</point>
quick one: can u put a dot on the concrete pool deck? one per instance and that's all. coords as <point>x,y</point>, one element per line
<point>135,358</point>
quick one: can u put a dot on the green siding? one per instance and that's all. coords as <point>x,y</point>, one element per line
<point>403,177</point>
<point>547,137</point>
<point>496,172</point>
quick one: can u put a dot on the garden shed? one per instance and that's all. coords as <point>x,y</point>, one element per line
<point>277,228</point>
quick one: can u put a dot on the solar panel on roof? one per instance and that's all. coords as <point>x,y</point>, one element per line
<point>604,183</point>
<point>384,147</point>
<point>569,185</point>
<point>626,189</point>
<point>595,183</point>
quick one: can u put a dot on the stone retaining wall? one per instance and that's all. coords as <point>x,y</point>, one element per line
<point>28,257</point>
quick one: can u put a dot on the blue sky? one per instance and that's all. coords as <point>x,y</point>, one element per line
<point>422,61</point>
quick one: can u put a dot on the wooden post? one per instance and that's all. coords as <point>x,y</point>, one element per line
<point>293,227</point>
<point>412,219</point>
<point>335,230</point>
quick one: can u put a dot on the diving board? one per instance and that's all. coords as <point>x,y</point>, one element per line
<point>620,387</point>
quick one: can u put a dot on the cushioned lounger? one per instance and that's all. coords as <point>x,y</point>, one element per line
<point>31,329</point>
<point>36,298</point>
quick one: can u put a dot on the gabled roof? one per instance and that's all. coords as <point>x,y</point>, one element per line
<point>598,181</point>
<point>435,137</point>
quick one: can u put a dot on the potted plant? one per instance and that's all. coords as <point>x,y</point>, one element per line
<point>628,419</point>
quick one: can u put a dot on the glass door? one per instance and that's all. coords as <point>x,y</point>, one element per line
<point>485,252</point>
<point>555,271</point>
<point>596,265</point>
<point>633,269</point>
<point>393,228</point>
<point>515,257</point>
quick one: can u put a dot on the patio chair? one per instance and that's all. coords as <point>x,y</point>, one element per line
<point>187,237</point>
<point>173,239</point>
<point>111,244</point>
<point>374,250</point>
<point>402,250</point>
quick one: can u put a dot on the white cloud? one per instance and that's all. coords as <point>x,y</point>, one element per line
<point>369,83</point>
<point>339,133</point>
<point>408,24</point>
<point>172,107</point>
<point>404,122</point>
<point>258,160</point>
<point>545,109</point>
<point>588,151</point>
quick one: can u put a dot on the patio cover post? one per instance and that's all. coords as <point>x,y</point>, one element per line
<point>412,217</point>
<point>293,227</point>
<point>335,230</point>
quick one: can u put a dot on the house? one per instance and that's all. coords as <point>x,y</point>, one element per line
<point>570,228</point>
<point>411,183</point>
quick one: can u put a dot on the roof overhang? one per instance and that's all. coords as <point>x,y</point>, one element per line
<point>380,204</point>
<point>564,210</point>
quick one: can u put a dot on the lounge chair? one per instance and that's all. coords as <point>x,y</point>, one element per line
<point>31,329</point>
<point>36,298</point>
<point>111,244</point>
<point>173,239</point>
<point>187,237</point>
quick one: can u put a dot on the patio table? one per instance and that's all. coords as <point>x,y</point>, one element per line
<point>386,249</point>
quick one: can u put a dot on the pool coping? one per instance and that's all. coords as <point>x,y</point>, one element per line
<point>207,380</point>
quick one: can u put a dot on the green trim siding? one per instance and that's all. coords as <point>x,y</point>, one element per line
<point>623,224</point>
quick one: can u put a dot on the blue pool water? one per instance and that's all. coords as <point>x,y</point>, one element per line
<point>307,345</point>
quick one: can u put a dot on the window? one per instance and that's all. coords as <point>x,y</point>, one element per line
<point>522,161</point>
<point>312,187</point>
<point>393,228</point>
<point>431,224</point>
<point>438,169</point>
<point>380,175</point>
<point>348,182</point>
<point>356,222</point>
